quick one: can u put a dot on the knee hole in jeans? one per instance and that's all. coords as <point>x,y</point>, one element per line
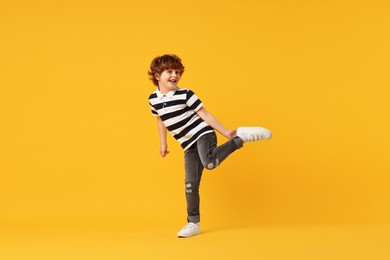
<point>189,187</point>
<point>211,165</point>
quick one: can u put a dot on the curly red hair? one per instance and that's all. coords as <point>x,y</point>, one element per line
<point>164,62</point>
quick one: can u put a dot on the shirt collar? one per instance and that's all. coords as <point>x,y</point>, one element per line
<point>168,95</point>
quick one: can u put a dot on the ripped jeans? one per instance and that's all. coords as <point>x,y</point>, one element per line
<point>203,154</point>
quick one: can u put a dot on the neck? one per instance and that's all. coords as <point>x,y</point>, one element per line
<point>165,90</point>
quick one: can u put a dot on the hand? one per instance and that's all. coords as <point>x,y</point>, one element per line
<point>163,150</point>
<point>230,134</point>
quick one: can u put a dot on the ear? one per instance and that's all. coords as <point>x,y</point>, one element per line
<point>157,76</point>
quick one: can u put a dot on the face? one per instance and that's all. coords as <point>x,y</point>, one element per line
<point>168,80</point>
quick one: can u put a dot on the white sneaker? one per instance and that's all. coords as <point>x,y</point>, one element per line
<point>250,134</point>
<point>189,230</point>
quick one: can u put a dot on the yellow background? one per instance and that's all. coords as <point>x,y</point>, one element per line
<point>78,144</point>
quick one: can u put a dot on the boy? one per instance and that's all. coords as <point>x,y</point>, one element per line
<point>180,111</point>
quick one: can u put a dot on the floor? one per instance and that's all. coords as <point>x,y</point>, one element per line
<point>215,242</point>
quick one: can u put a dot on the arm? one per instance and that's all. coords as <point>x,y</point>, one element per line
<point>162,130</point>
<point>214,123</point>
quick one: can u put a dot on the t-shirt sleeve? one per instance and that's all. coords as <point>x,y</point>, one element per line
<point>193,101</point>
<point>153,110</point>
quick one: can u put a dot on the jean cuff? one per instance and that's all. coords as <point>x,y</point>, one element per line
<point>237,140</point>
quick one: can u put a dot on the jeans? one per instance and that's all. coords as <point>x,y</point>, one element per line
<point>203,154</point>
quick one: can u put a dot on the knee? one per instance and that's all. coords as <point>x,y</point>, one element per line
<point>212,165</point>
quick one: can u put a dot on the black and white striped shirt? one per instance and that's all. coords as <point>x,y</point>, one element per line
<point>177,110</point>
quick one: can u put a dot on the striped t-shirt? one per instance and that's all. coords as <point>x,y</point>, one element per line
<point>177,110</point>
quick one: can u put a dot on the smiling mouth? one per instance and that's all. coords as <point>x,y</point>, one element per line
<point>172,80</point>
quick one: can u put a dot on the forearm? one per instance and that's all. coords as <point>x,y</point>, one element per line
<point>213,122</point>
<point>162,130</point>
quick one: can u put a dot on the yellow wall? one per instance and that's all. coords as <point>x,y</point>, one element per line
<point>78,143</point>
